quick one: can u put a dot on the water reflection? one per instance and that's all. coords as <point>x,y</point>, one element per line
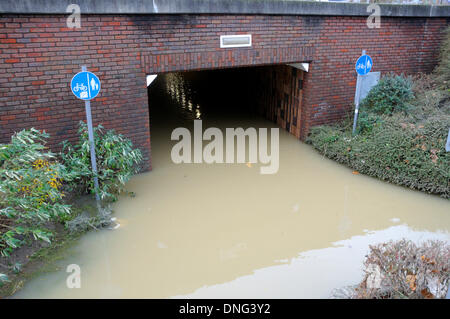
<point>181,92</point>
<point>222,230</point>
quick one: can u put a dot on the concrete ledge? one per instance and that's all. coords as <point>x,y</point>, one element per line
<point>284,7</point>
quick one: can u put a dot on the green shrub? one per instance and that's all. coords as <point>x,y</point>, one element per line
<point>367,122</point>
<point>390,95</point>
<point>30,190</point>
<point>117,161</point>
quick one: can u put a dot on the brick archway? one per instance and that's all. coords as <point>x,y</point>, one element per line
<point>225,58</point>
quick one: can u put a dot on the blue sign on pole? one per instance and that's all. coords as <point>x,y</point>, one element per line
<point>85,85</point>
<point>364,64</point>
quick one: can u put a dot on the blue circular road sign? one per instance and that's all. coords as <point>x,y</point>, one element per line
<point>85,85</point>
<point>363,64</point>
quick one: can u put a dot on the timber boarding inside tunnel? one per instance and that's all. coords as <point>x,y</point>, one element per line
<point>124,41</point>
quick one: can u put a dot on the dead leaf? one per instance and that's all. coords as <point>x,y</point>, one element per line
<point>434,158</point>
<point>427,294</point>
<point>411,280</point>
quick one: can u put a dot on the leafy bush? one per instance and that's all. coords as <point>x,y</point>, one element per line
<point>367,122</point>
<point>30,190</point>
<point>117,161</point>
<point>391,94</point>
<point>406,270</point>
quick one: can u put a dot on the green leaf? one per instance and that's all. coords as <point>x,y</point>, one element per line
<point>39,234</point>
<point>3,278</point>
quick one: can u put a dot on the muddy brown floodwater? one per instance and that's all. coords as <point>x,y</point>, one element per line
<point>225,230</point>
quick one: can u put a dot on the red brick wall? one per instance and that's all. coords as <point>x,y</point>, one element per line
<point>39,56</point>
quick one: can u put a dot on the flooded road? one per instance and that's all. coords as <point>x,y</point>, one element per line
<point>225,230</point>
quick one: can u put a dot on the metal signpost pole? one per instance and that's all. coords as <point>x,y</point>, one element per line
<point>358,88</point>
<point>87,104</point>
<point>447,145</point>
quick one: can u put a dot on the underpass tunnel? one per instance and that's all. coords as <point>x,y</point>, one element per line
<point>234,97</point>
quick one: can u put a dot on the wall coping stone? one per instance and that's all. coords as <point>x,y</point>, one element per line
<point>268,7</point>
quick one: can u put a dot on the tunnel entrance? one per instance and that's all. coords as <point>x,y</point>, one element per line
<point>226,98</point>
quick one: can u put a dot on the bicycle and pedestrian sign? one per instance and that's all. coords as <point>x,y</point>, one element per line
<point>85,85</point>
<point>363,64</point>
